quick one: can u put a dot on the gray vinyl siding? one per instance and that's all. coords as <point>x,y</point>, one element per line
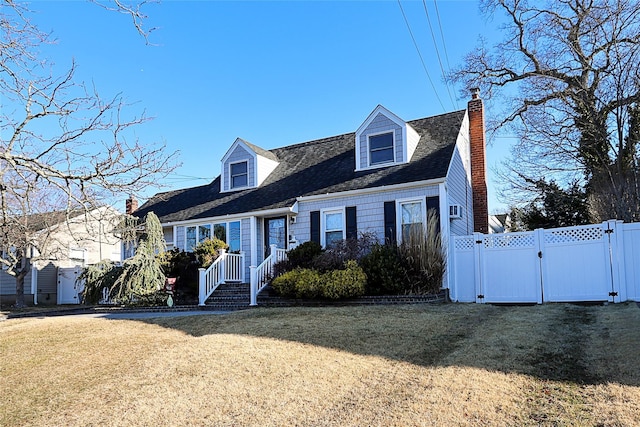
<point>459,192</point>
<point>47,281</point>
<point>48,284</point>
<point>8,284</point>
<point>260,240</point>
<point>245,232</point>
<point>369,212</point>
<point>380,124</point>
<point>239,154</point>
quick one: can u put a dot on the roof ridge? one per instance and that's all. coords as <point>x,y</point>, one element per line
<point>315,141</point>
<point>437,115</point>
<point>320,140</point>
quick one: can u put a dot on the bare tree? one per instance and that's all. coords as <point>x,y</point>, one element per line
<point>132,9</point>
<point>564,80</point>
<point>63,148</point>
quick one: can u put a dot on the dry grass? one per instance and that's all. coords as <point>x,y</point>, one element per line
<point>413,365</point>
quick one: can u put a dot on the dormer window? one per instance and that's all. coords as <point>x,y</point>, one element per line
<point>381,148</point>
<point>239,175</point>
<point>245,166</point>
<point>384,140</point>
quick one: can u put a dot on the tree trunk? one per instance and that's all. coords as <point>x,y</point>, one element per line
<point>20,275</point>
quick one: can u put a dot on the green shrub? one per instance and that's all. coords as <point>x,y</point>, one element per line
<point>384,270</point>
<point>347,283</point>
<point>308,284</point>
<point>174,262</point>
<point>302,256</point>
<point>285,284</point>
<point>184,267</point>
<point>298,283</point>
<point>208,251</point>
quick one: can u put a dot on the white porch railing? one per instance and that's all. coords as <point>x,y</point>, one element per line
<point>262,274</point>
<point>226,268</point>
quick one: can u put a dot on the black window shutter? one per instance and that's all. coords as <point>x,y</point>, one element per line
<point>390,222</point>
<point>434,203</point>
<point>352,224</point>
<point>315,226</point>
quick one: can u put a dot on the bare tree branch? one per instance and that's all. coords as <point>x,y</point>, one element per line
<point>65,150</point>
<point>133,10</point>
<point>563,80</point>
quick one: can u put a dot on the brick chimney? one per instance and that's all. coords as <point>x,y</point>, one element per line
<point>478,163</point>
<point>131,205</point>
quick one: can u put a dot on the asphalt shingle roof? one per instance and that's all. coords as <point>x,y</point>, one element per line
<point>316,167</point>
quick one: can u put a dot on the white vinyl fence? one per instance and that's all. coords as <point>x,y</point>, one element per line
<point>599,262</point>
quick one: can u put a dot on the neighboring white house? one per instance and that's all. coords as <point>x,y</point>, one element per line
<point>378,179</point>
<point>85,238</point>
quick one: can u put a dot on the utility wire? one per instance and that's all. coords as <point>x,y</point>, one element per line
<point>444,45</point>
<point>435,44</point>
<point>186,178</point>
<point>420,55</point>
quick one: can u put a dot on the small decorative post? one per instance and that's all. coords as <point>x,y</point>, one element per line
<point>242,268</point>
<point>202,286</point>
<point>223,265</point>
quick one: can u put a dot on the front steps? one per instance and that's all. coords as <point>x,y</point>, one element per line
<point>229,297</point>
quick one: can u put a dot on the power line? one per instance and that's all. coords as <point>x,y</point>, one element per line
<point>444,45</point>
<point>186,178</point>
<point>420,55</point>
<point>435,45</point>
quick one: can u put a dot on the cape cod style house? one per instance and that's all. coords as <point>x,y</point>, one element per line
<point>381,177</point>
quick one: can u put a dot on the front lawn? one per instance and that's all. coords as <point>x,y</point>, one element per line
<point>450,364</point>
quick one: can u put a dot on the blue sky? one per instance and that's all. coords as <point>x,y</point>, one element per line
<point>272,73</point>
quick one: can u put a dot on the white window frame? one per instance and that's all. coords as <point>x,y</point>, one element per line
<point>423,208</point>
<point>227,229</point>
<point>323,223</point>
<point>231,187</point>
<point>199,238</point>
<point>393,148</point>
<point>228,223</point>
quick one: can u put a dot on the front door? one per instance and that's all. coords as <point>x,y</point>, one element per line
<point>275,233</point>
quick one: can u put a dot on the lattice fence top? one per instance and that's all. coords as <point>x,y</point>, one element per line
<point>509,240</point>
<point>463,243</point>
<point>577,234</point>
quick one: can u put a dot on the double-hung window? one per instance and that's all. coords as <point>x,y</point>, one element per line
<point>197,234</point>
<point>228,232</point>
<point>381,148</point>
<point>412,220</point>
<point>234,238</point>
<point>333,226</point>
<point>239,174</point>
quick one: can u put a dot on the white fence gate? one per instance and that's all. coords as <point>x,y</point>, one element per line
<point>598,262</point>
<point>69,288</point>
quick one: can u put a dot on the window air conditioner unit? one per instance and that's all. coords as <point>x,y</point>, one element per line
<point>455,211</point>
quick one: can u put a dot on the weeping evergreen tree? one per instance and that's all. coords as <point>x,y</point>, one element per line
<point>142,278</point>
